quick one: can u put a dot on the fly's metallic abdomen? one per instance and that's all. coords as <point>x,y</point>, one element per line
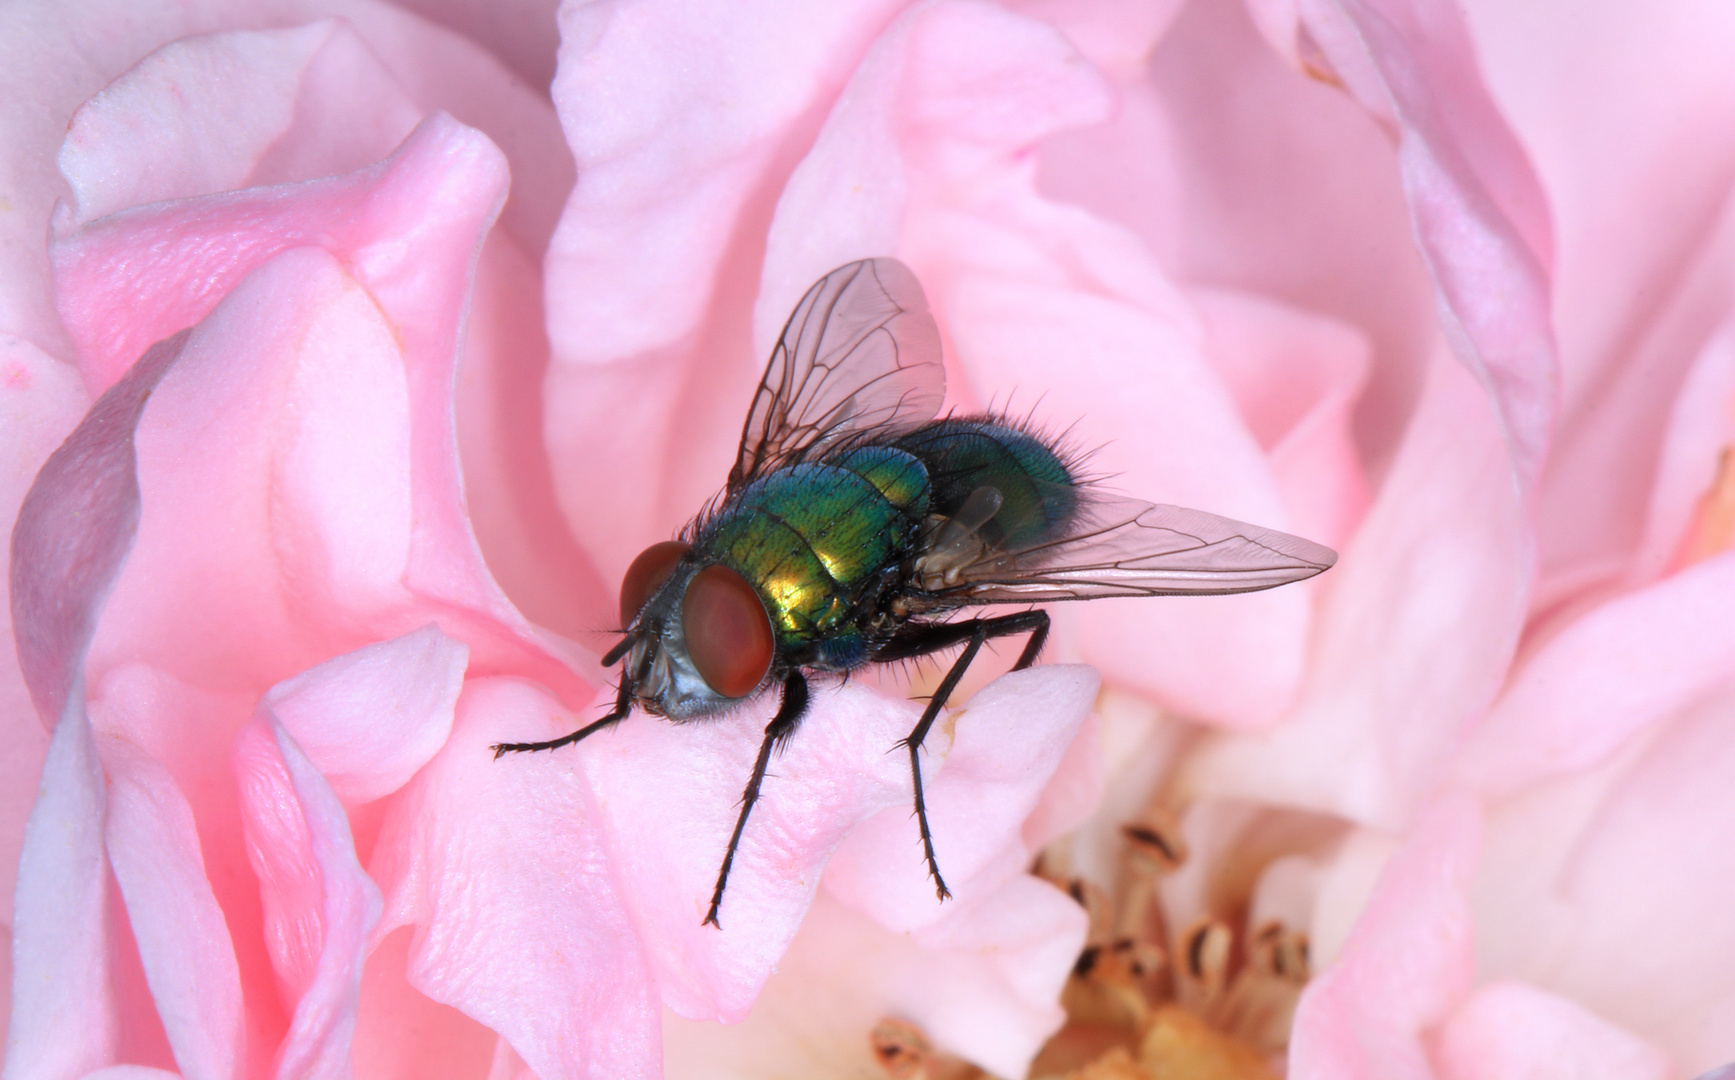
<point>815,541</point>
<point>1039,494</point>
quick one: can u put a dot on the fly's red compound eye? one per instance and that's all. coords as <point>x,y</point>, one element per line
<point>728,633</point>
<point>647,574</point>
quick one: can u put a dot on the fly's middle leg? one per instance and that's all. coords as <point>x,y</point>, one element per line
<point>931,637</point>
<point>789,713</point>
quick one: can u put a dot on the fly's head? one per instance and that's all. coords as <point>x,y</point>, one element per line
<point>699,637</point>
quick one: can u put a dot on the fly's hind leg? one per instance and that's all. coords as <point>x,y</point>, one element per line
<point>782,726</point>
<point>924,638</point>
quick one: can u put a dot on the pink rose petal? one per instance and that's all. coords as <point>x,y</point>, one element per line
<point>322,414</point>
<point>1006,745</point>
<point>369,719</point>
<point>74,530</point>
<point>41,402</point>
<point>66,53</point>
<point>1237,171</point>
<point>1620,669</point>
<point>1116,35</point>
<point>500,865</point>
<point>1405,965</point>
<point>202,115</point>
<point>1418,625</point>
<point>63,1020</point>
<point>1511,1031</point>
<point>183,939</point>
<point>319,906</point>
<point>1296,378</point>
<point>1479,210</point>
<point>1700,427</point>
<point>841,765</point>
<point>1613,114</point>
<point>522,33</point>
<point>1573,865</point>
<point>989,998</point>
<point>999,965</point>
<point>1075,792</point>
<point>324,104</point>
<point>400,1031</point>
<point>442,188</point>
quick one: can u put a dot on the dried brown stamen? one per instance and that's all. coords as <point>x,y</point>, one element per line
<point>1218,1005</point>
<point>904,1052</point>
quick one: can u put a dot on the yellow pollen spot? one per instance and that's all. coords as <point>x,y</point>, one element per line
<point>1180,1046</point>
<point>1713,528</point>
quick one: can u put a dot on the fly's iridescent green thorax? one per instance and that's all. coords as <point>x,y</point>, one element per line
<point>824,542</point>
<point>816,540</point>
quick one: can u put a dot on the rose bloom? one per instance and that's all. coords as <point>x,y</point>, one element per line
<point>350,352</point>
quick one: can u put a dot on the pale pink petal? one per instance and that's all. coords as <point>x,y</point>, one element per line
<point>1479,210</point>
<point>323,104</point>
<point>840,766</point>
<point>344,366</point>
<point>320,908</point>
<point>1001,963</point>
<point>500,867</point>
<point>1075,791</point>
<point>1418,625</point>
<point>40,403</point>
<point>520,32</point>
<point>684,119</point>
<point>441,190</point>
<point>1613,112</point>
<point>401,1032</point>
<point>212,113</point>
<point>1512,1031</point>
<point>1406,964</point>
<point>1616,671</point>
<point>57,56</point>
<point>1116,35</point>
<point>369,719</point>
<point>1700,427</point>
<point>1296,378</point>
<point>130,1072</point>
<point>990,999</point>
<point>443,72</point>
<point>508,483</point>
<point>189,729</point>
<point>63,1020</point>
<point>182,937</point>
<point>73,532</point>
<point>1006,745</point>
<point>1239,171</point>
<point>1624,868</point>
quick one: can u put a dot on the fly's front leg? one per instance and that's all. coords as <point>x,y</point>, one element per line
<point>623,704</point>
<point>930,637</point>
<point>789,713</point>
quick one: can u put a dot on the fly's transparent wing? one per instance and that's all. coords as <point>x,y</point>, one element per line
<point>1120,547</point>
<point>859,353</point>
